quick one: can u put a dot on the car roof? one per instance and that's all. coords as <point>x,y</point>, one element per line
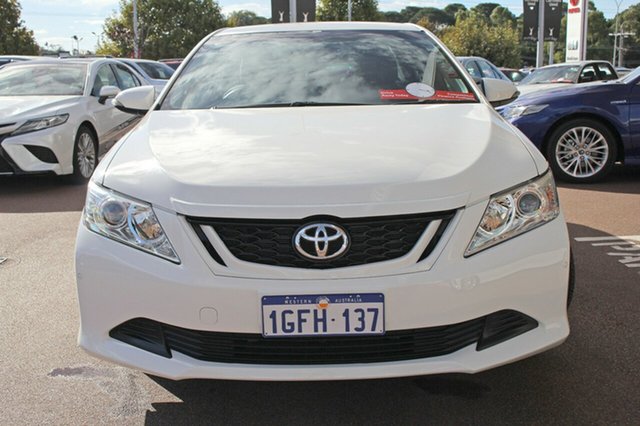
<point>320,26</point>
<point>58,61</point>
<point>134,60</point>
<point>20,57</point>
<point>578,63</point>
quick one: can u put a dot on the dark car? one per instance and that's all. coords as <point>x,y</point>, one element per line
<point>173,63</point>
<point>583,129</point>
<point>514,75</point>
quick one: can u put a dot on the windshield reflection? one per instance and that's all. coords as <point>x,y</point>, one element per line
<point>315,67</point>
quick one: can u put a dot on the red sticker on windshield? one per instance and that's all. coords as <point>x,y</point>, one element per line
<point>440,95</point>
<point>453,96</point>
<point>395,94</point>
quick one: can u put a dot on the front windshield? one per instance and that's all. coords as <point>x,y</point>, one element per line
<point>42,80</point>
<point>631,76</point>
<point>564,74</point>
<point>317,68</point>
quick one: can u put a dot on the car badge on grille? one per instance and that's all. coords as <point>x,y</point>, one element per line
<point>321,241</point>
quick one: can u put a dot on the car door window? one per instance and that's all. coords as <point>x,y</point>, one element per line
<point>473,69</point>
<point>126,78</point>
<point>486,70</point>
<point>105,77</point>
<point>588,74</point>
<point>606,72</point>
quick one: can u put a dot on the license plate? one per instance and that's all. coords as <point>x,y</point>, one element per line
<point>323,315</point>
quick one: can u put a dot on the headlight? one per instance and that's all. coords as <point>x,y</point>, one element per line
<point>515,212</point>
<point>41,123</point>
<point>518,111</point>
<point>128,221</point>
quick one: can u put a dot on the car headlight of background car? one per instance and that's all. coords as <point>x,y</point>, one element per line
<point>515,212</point>
<point>41,123</point>
<point>511,112</point>
<point>128,221</point>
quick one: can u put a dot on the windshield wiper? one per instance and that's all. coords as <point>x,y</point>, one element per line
<point>289,104</point>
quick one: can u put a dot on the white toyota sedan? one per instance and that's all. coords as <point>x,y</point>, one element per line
<point>56,116</point>
<point>321,201</point>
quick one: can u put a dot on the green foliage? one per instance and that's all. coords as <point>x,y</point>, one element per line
<point>453,8</point>
<point>167,28</point>
<point>599,44</point>
<point>436,16</point>
<point>485,9</point>
<point>15,38</point>
<point>502,16</point>
<point>390,17</point>
<point>336,10</point>
<point>242,18</point>
<point>630,22</point>
<point>473,35</point>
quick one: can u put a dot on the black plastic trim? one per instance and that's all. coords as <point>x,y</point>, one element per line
<point>396,345</point>
<point>42,153</point>
<point>207,244</point>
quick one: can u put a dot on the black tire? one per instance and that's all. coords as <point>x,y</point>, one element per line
<point>85,156</point>
<point>581,151</point>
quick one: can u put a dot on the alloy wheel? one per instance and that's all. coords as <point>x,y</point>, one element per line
<point>86,155</point>
<point>582,152</point>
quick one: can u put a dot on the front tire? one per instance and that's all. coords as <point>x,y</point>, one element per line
<point>581,151</point>
<point>85,155</point>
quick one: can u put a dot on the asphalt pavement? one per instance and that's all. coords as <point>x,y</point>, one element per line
<point>45,378</point>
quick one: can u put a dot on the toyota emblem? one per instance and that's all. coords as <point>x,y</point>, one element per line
<point>321,241</point>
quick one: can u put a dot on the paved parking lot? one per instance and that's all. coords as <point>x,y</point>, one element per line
<point>44,378</point>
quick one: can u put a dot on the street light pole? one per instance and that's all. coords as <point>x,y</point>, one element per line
<point>540,51</point>
<point>135,30</point>
<point>97,39</point>
<point>349,9</point>
<point>615,33</point>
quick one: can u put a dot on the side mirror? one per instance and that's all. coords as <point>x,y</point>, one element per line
<point>107,92</point>
<point>499,92</point>
<point>137,100</point>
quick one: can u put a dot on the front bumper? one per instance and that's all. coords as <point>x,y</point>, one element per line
<point>45,151</point>
<point>528,274</point>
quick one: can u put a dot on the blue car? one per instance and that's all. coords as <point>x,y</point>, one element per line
<point>584,129</point>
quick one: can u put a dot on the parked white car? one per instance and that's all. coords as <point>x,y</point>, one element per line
<point>56,115</point>
<point>321,201</point>
<point>155,73</point>
<point>565,74</point>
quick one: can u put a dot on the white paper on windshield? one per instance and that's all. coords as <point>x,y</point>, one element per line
<point>420,90</point>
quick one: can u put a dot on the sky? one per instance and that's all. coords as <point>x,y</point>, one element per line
<point>56,21</point>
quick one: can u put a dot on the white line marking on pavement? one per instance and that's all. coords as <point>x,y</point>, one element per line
<point>625,246</point>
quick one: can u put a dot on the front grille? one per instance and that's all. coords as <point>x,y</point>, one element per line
<point>399,345</point>
<point>270,242</point>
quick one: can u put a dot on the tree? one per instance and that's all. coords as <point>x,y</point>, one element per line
<point>409,12</point>
<point>599,44</point>
<point>241,18</point>
<point>434,15</point>
<point>485,9</point>
<point>167,28</point>
<point>336,10</point>
<point>391,17</point>
<point>15,38</point>
<point>453,8</point>
<point>502,16</point>
<point>473,35</point>
<point>630,22</point>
